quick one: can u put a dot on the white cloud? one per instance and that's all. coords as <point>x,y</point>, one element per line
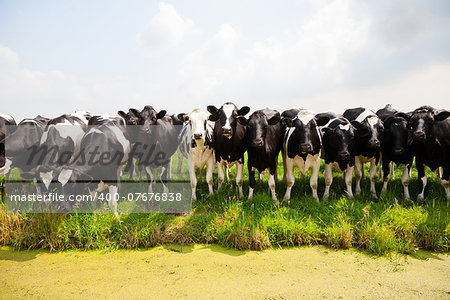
<point>166,29</point>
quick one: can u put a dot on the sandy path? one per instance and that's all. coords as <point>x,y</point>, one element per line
<point>212,271</point>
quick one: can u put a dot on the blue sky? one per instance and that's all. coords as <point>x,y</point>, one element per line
<point>102,56</point>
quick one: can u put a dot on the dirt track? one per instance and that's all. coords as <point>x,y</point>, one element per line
<point>212,271</point>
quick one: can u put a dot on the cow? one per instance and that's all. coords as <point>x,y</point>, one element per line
<point>7,123</point>
<point>264,142</point>
<point>302,146</point>
<point>338,142</point>
<point>394,146</point>
<point>197,146</point>
<point>229,140</point>
<point>92,169</point>
<point>59,144</point>
<point>158,129</point>
<point>368,136</point>
<point>430,131</point>
<point>21,142</point>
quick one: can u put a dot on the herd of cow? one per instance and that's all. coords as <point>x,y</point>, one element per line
<point>221,136</point>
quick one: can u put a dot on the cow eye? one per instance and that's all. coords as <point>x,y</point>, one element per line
<point>265,126</point>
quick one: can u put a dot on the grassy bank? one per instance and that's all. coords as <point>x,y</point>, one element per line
<point>390,224</point>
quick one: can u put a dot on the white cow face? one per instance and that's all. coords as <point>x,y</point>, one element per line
<point>198,119</point>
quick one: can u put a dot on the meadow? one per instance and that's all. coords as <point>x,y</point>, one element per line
<point>389,224</point>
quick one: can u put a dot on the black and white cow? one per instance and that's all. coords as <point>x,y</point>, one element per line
<point>302,147</point>
<point>7,123</point>
<point>394,145</point>
<point>20,144</point>
<point>229,140</point>
<point>104,148</point>
<point>430,129</point>
<point>368,136</point>
<point>157,134</point>
<point>59,144</point>
<point>264,142</point>
<point>196,144</point>
<point>338,141</point>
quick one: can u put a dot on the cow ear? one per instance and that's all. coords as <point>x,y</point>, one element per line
<point>274,120</point>
<point>402,115</point>
<point>213,110</point>
<point>122,114</point>
<point>183,117</point>
<point>356,124</point>
<point>441,115</point>
<point>134,113</point>
<point>243,111</point>
<point>242,120</point>
<point>213,117</point>
<point>322,120</point>
<point>287,122</point>
<point>161,114</point>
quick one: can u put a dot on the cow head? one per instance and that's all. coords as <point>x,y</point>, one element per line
<point>421,122</point>
<point>396,133</point>
<point>226,116</point>
<point>198,120</point>
<point>128,118</point>
<point>341,137</point>
<point>257,126</point>
<point>304,128</point>
<point>147,117</point>
<point>369,131</point>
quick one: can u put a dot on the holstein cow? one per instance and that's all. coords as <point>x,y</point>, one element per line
<point>7,123</point>
<point>157,135</point>
<point>197,146</point>
<point>369,130</point>
<point>264,142</point>
<point>20,144</point>
<point>394,145</point>
<point>229,140</point>
<point>338,142</point>
<point>302,147</point>
<point>430,130</point>
<point>103,150</point>
<point>60,143</point>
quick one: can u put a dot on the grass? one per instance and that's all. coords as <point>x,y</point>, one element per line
<point>387,225</point>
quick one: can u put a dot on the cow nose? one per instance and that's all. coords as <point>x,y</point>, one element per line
<point>226,130</point>
<point>398,151</point>
<point>419,135</point>
<point>344,155</point>
<point>198,136</point>
<point>305,148</point>
<point>257,143</point>
<point>374,144</point>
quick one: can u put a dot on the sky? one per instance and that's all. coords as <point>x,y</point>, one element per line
<point>103,56</point>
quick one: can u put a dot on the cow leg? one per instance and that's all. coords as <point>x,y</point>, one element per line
<point>227,171</point>
<point>38,189</point>
<point>276,169</point>
<point>438,172</point>
<point>445,182</point>
<point>422,179</point>
<point>169,169</point>
<point>283,156</point>
<point>180,161</point>
<point>209,174</point>
<point>130,167</point>
<point>359,169</point>
<point>149,172</point>
<point>251,180</point>
<point>314,177</point>
<point>386,175</point>
<point>289,170</point>
<point>112,202</point>
<point>373,177</point>
<point>239,171</point>
<point>328,181</point>
<point>363,175</point>
<point>392,170</point>
<point>272,187</point>
<point>220,174</point>
<point>193,178</point>
<point>163,178</point>
<point>405,181</point>
<point>348,181</point>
